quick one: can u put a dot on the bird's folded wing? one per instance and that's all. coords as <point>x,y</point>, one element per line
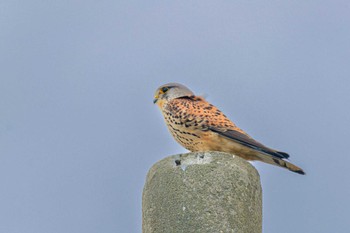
<point>248,141</point>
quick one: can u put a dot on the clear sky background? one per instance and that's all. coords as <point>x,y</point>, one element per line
<point>79,131</point>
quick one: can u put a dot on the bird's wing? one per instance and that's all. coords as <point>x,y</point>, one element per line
<point>208,117</point>
<point>245,140</point>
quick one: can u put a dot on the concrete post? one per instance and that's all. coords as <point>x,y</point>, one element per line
<point>204,192</point>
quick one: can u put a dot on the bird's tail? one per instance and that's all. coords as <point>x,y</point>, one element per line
<point>279,162</point>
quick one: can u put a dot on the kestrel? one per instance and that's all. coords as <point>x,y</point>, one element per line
<point>199,126</point>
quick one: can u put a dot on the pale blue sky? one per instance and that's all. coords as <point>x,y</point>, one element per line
<point>78,130</point>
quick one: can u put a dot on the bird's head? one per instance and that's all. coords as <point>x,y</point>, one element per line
<point>169,92</point>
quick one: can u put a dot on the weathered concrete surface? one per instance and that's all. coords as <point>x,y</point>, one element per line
<point>202,192</point>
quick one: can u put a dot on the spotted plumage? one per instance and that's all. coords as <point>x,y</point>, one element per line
<point>199,126</point>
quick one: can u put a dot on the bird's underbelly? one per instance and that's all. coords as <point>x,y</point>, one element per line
<point>198,140</point>
<point>190,139</point>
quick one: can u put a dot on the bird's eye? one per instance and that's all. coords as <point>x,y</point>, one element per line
<point>165,89</point>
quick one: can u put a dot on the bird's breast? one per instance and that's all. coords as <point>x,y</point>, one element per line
<point>183,131</point>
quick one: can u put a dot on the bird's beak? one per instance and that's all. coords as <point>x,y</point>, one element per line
<point>156,97</point>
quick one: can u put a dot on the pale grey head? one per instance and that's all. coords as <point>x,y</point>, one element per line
<point>171,91</point>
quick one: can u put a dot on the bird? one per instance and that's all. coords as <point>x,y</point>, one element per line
<point>199,126</point>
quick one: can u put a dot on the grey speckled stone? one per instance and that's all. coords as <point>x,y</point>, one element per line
<point>202,192</point>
